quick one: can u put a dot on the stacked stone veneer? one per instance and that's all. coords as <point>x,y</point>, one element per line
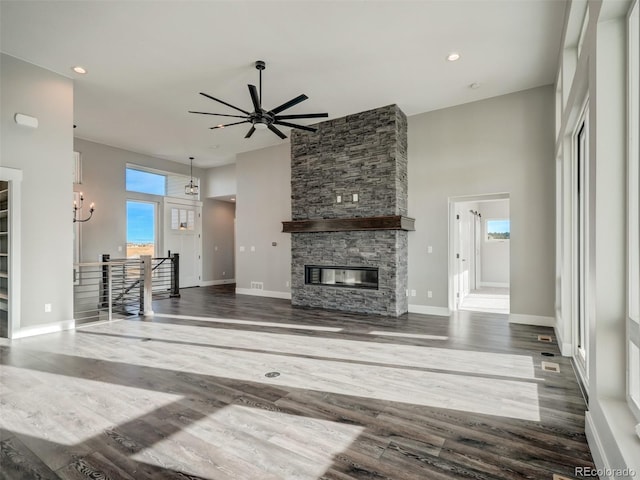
<point>364,154</point>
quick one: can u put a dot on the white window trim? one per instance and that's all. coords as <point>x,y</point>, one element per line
<point>580,354</point>
<point>633,205</point>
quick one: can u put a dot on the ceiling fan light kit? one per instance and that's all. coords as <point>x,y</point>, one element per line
<point>261,119</point>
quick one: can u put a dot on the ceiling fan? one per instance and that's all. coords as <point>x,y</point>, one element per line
<point>260,118</point>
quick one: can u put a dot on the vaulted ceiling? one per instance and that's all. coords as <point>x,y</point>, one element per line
<point>147,61</point>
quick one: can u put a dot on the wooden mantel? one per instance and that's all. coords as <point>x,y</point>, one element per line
<point>390,222</point>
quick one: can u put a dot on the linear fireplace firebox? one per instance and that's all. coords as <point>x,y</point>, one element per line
<point>350,277</point>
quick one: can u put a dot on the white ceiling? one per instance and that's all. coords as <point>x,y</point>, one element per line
<point>147,61</point>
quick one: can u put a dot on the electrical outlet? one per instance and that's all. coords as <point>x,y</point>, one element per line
<point>338,198</point>
<point>355,197</point>
<point>286,283</point>
<point>47,308</point>
<point>253,249</point>
<point>407,292</point>
<point>224,273</point>
<point>242,249</point>
<point>119,248</point>
<point>429,294</point>
<point>429,249</point>
<point>413,293</point>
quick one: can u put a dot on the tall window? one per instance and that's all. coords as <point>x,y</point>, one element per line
<point>141,228</point>
<point>633,294</point>
<point>581,239</point>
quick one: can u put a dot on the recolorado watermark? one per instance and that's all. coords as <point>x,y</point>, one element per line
<point>605,472</point>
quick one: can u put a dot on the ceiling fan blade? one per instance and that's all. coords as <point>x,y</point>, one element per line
<point>290,103</point>
<point>219,114</point>
<point>250,132</point>
<point>277,132</point>
<point>293,125</point>
<point>228,124</point>
<point>224,103</point>
<point>302,115</point>
<point>253,91</point>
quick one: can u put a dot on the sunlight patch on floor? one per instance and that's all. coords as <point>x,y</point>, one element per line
<point>243,442</point>
<point>408,335</point>
<point>490,300</point>
<point>170,340</point>
<point>250,322</point>
<point>42,409</point>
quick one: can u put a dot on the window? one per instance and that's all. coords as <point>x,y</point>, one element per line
<point>581,155</point>
<point>141,228</point>
<point>498,229</point>
<point>156,182</point>
<point>145,182</point>
<point>633,208</point>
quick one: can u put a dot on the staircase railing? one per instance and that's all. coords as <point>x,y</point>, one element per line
<point>123,286</point>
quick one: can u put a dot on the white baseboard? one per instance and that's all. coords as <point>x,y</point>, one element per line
<point>495,284</point>
<point>566,348</point>
<point>429,310</point>
<point>595,444</point>
<point>225,281</point>
<point>537,320</point>
<point>43,329</point>
<point>263,293</point>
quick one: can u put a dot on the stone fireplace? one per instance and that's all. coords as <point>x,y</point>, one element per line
<point>349,206</point>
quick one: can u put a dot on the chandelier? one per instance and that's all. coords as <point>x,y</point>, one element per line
<point>191,188</point>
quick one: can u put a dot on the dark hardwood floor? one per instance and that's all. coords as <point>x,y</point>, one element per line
<point>219,386</point>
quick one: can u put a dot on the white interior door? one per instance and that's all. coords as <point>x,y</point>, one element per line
<point>183,235</point>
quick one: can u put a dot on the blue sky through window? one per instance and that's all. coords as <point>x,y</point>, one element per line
<point>498,229</point>
<point>145,182</point>
<point>141,221</point>
<point>498,226</point>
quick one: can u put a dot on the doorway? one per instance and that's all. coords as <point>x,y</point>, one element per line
<point>183,235</point>
<point>480,234</point>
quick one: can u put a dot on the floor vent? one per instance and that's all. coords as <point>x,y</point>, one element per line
<point>272,374</point>
<point>550,367</point>
<point>547,354</point>
<point>545,338</point>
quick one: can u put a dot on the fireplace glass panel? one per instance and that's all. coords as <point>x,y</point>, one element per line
<point>352,277</point>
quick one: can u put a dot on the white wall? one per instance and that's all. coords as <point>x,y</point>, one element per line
<point>500,145</point>
<point>45,156</point>
<point>263,203</point>
<point>220,181</point>
<point>218,233</point>
<point>495,254</point>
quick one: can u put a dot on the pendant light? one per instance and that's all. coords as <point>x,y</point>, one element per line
<point>191,188</point>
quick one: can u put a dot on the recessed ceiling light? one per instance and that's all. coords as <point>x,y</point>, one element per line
<point>79,69</point>
<point>233,199</point>
<point>453,56</point>
<point>474,85</point>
